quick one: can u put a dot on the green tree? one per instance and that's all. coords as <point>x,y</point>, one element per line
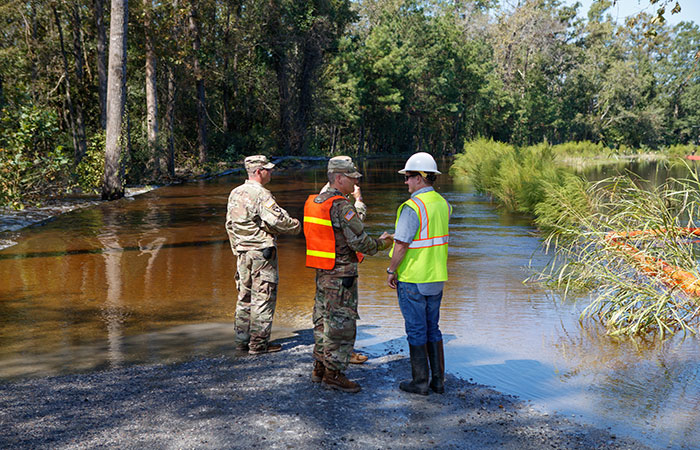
<point>532,58</point>
<point>678,77</point>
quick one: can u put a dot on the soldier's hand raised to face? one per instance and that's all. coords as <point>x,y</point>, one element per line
<point>357,193</point>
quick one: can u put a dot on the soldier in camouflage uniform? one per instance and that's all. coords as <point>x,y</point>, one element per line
<point>361,208</point>
<point>335,304</point>
<point>253,220</point>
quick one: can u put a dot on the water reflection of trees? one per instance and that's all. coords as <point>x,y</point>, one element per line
<point>113,306</point>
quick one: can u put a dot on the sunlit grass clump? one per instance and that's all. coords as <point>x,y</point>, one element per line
<point>629,248</point>
<point>681,151</point>
<point>516,177</point>
<point>582,149</point>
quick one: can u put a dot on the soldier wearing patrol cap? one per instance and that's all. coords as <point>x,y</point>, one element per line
<point>335,239</point>
<point>253,220</point>
<point>361,208</point>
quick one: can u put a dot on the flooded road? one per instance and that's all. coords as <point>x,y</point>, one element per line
<point>150,279</point>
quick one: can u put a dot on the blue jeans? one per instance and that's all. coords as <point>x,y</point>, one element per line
<point>421,314</point>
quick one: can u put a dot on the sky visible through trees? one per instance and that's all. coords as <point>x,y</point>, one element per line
<point>690,10</point>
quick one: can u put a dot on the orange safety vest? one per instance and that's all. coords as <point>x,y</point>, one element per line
<point>318,230</point>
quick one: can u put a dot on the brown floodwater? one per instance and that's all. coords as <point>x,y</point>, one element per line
<point>150,280</point>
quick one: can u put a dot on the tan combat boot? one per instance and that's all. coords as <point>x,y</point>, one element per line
<point>335,379</point>
<point>357,358</point>
<point>317,373</point>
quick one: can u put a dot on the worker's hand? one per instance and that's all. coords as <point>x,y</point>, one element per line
<point>357,193</point>
<point>391,280</point>
<point>386,236</point>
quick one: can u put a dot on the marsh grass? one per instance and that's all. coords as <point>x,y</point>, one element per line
<point>627,300</point>
<point>681,151</point>
<point>514,177</point>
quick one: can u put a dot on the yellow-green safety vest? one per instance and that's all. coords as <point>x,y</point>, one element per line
<point>426,258</point>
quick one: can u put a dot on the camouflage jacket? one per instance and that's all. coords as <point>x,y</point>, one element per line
<point>350,236</point>
<point>254,218</point>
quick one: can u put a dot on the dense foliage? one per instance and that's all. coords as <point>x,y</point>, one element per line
<point>237,77</point>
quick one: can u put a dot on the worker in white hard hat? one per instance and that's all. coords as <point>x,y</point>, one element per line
<point>418,271</point>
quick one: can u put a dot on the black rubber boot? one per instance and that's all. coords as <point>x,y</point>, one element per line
<point>419,371</point>
<point>436,356</point>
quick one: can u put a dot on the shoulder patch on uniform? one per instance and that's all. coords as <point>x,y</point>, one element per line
<point>270,204</point>
<point>349,215</point>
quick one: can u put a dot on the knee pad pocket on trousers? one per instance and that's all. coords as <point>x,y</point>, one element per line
<point>343,305</point>
<point>265,270</point>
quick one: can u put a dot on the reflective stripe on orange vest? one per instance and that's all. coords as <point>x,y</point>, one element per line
<point>318,230</point>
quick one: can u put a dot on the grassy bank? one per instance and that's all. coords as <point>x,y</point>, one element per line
<point>632,248</point>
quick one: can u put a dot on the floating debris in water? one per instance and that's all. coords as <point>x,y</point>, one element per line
<point>5,243</point>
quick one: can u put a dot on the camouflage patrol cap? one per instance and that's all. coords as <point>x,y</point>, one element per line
<point>256,162</point>
<point>344,165</point>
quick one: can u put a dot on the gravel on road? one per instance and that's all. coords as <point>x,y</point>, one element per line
<point>269,401</point>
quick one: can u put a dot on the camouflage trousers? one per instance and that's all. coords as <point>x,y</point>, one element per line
<point>256,281</point>
<point>335,316</point>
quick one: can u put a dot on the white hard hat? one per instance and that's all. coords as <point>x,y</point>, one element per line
<point>420,162</point>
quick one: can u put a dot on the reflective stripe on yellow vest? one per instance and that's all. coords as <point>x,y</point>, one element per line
<point>426,258</point>
<point>318,230</point>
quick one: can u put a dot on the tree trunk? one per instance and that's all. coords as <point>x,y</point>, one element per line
<point>170,102</point>
<point>77,44</point>
<point>31,53</point>
<point>77,124</point>
<point>101,60</point>
<point>334,137</point>
<point>112,188</point>
<point>170,122</point>
<point>2,96</point>
<point>199,76</point>
<point>285,104</point>
<point>225,89</point>
<point>311,59</point>
<point>225,96</point>
<point>80,74</point>
<point>151,98</point>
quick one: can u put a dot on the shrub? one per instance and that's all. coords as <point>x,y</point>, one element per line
<point>480,161</point>
<point>90,171</point>
<point>32,162</point>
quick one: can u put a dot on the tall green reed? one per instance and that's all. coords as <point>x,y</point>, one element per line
<point>514,177</point>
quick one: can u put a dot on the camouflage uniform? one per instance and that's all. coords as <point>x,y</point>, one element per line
<point>335,304</point>
<point>253,220</point>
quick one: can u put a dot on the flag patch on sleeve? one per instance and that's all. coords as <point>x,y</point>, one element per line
<point>270,204</point>
<point>349,215</point>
